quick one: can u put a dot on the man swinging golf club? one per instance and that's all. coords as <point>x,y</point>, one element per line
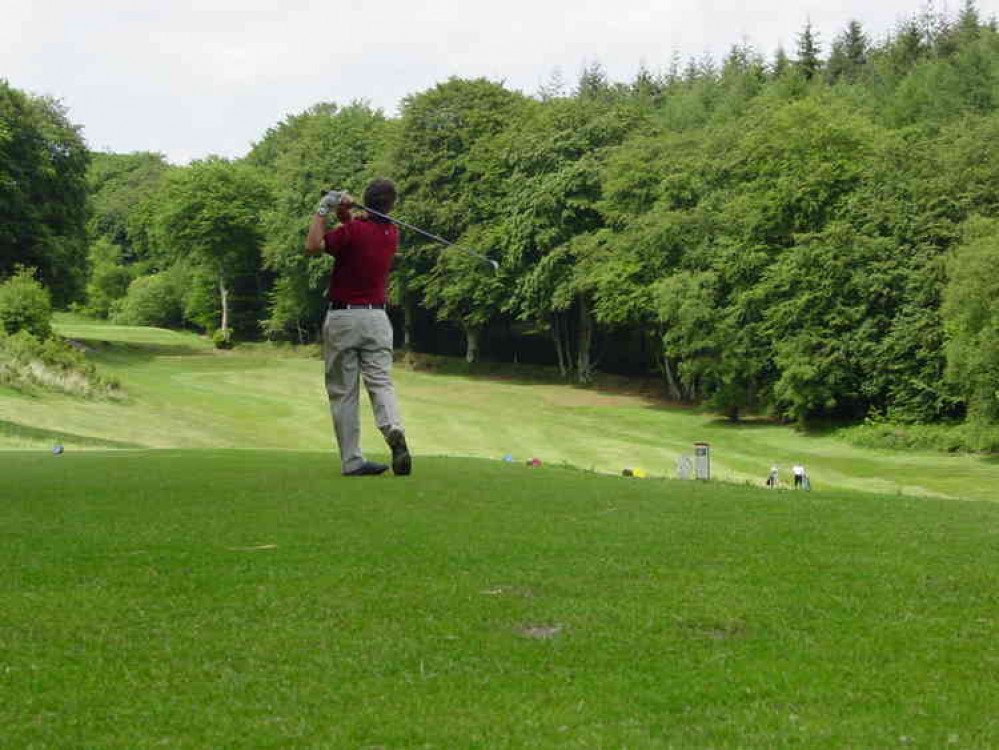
<point>357,334</point>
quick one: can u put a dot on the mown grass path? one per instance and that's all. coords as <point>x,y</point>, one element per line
<point>183,394</point>
<point>224,598</point>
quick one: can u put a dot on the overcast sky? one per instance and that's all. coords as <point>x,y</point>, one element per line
<point>210,77</point>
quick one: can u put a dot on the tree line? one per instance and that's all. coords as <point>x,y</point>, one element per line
<point>813,235</point>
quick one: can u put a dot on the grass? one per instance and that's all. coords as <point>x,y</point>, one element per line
<point>183,394</point>
<point>224,598</point>
<point>194,572</point>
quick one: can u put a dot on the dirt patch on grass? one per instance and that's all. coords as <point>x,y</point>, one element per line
<point>520,591</point>
<point>540,632</point>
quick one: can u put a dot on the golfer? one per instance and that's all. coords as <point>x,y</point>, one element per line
<point>357,334</point>
<point>799,475</point>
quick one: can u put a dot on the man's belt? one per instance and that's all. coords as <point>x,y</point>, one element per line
<point>357,306</point>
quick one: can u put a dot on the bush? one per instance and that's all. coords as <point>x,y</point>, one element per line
<point>28,363</point>
<point>222,338</point>
<point>25,305</point>
<point>151,301</point>
<point>967,437</point>
<point>109,279</point>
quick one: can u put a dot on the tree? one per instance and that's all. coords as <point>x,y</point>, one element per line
<point>449,185</point>
<point>971,318</point>
<point>109,277</point>
<point>808,62</point>
<point>25,305</point>
<point>210,214</point>
<point>551,160</point>
<point>122,186</point>
<point>849,54</point>
<point>43,212</point>
<point>781,64</point>
<point>593,83</point>
<point>326,146</point>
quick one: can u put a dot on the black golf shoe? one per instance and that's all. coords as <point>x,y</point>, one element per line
<point>367,469</point>
<point>402,462</point>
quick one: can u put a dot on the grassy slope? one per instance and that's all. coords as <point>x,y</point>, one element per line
<point>256,599</point>
<point>183,394</point>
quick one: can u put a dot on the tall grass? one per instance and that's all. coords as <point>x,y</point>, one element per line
<point>29,365</point>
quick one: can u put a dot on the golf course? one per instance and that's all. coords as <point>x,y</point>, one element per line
<point>193,571</point>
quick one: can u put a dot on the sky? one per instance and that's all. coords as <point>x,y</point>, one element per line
<point>210,77</point>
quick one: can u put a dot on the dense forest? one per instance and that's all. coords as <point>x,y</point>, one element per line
<point>809,235</point>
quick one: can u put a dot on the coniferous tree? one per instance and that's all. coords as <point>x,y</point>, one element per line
<point>646,85</point>
<point>782,63</point>
<point>554,86</point>
<point>969,22</point>
<point>809,62</point>
<point>849,54</point>
<point>593,83</point>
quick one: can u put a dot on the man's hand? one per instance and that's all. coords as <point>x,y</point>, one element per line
<point>333,199</point>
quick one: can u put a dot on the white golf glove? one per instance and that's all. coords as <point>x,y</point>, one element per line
<point>331,200</point>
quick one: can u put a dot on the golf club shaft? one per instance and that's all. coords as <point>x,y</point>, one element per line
<point>426,234</point>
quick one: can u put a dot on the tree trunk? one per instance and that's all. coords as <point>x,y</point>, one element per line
<point>224,294</point>
<point>407,322</point>
<point>471,343</point>
<point>557,339</point>
<point>671,387</point>
<point>584,366</point>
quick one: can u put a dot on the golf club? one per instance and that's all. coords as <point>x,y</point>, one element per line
<point>426,234</point>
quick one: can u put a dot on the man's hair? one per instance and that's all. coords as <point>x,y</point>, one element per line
<point>380,195</point>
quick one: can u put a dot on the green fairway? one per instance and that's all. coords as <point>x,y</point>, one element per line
<point>184,394</point>
<point>221,598</point>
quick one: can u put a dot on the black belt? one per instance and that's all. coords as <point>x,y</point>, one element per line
<point>359,306</point>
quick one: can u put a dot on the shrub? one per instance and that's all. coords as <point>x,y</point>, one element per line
<point>28,363</point>
<point>25,305</point>
<point>151,301</point>
<point>109,279</point>
<point>970,437</point>
<point>222,338</point>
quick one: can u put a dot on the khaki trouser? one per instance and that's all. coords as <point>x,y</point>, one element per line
<point>358,343</point>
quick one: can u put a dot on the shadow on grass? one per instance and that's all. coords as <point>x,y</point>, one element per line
<point>746,423</point>
<point>139,352</point>
<point>25,432</point>
<point>650,389</point>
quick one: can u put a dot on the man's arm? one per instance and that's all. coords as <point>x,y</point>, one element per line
<point>315,244</point>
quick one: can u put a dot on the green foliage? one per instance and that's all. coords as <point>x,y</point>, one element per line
<point>971,318</point>
<point>29,364</point>
<point>772,238</point>
<point>222,338</point>
<point>324,147</point>
<point>809,61</point>
<point>43,192</point>
<point>25,305</point>
<point>123,192</point>
<point>880,434</point>
<point>443,159</point>
<point>156,300</point>
<point>109,278</point>
<point>209,215</point>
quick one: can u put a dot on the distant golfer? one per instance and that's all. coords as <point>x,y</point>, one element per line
<point>357,333</point>
<point>799,475</point>
<point>773,478</point>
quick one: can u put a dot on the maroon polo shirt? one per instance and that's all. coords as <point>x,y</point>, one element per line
<point>363,249</point>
